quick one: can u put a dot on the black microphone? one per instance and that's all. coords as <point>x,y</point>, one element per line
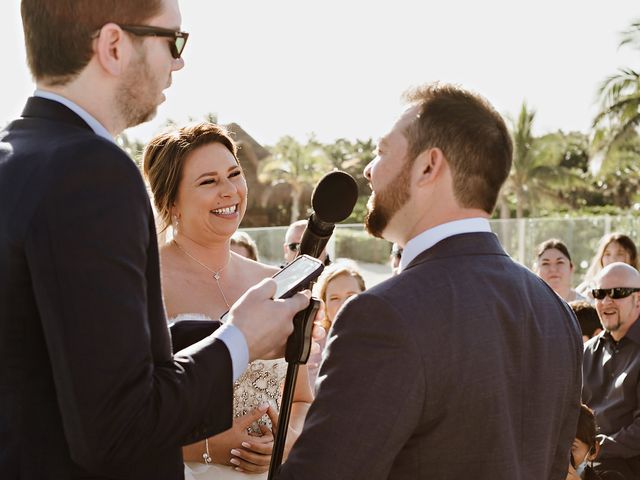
<point>332,200</point>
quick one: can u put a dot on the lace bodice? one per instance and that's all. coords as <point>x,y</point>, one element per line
<point>262,381</point>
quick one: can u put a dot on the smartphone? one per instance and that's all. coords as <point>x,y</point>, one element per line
<point>294,277</point>
<point>297,275</point>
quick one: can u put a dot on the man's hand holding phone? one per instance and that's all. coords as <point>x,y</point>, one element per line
<point>266,323</point>
<point>265,312</point>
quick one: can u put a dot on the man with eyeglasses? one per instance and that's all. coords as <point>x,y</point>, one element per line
<point>611,369</point>
<point>89,385</point>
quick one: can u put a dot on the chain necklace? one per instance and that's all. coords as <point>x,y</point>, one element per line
<point>215,273</point>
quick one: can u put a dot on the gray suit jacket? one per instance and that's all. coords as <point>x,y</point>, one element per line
<point>464,366</point>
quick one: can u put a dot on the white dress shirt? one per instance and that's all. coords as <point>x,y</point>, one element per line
<point>430,237</point>
<point>231,335</point>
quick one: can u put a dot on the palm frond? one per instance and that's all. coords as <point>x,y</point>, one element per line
<point>618,85</point>
<point>631,36</point>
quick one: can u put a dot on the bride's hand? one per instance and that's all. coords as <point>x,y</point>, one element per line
<point>292,434</point>
<point>222,446</point>
<point>255,454</point>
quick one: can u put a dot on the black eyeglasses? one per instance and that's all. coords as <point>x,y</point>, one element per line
<point>294,247</point>
<point>176,46</point>
<point>613,293</point>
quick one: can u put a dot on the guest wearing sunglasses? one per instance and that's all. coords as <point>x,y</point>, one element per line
<point>611,369</point>
<point>292,241</point>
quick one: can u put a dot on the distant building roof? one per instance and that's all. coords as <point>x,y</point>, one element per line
<point>243,137</point>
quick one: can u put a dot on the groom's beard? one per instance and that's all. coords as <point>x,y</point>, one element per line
<point>382,206</point>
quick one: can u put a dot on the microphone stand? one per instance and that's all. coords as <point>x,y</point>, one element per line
<point>335,184</point>
<point>296,354</point>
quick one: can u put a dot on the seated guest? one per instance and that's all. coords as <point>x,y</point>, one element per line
<point>585,447</point>
<point>394,258</point>
<point>615,247</point>
<point>200,190</point>
<point>587,318</point>
<point>611,369</point>
<point>338,282</point>
<point>292,239</point>
<point>554,266</point>
<point>243,244</point>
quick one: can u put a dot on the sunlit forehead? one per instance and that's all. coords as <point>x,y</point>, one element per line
<point>213,159</point>
<point>382,144</point>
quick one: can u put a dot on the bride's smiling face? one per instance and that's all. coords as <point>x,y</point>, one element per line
<point>212,194</point>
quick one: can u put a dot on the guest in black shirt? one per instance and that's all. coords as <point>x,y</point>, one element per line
<point>611,369</point>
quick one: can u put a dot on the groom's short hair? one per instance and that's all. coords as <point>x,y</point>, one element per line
<point>471,134</point>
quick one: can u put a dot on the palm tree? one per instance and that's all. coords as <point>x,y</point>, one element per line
<point>619,96</point>
<point>536,173</point>
<point>132,146</point>
<point>300,166</point>
<point>352,157</point>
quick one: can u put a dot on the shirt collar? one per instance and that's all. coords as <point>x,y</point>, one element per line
<point>634,332</point>
<point>95,125</point>
<point>430,237</point>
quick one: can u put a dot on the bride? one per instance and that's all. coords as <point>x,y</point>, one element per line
<point>200,190</point>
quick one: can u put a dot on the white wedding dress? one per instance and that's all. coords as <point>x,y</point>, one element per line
<point>261,382</point>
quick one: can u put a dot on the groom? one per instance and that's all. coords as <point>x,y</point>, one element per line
<point>465,365</point>
<point>89,387</point>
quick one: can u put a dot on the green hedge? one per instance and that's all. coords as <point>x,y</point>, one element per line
<point>358,245</point>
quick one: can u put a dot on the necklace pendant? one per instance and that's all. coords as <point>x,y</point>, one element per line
<point>216,275</point>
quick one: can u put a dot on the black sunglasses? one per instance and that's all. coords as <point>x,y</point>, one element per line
<point>176,46</point>
<point>613,293</point>
<point>293,246</point>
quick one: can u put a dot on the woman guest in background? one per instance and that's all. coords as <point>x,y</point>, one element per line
<point>615,247</point>
<point>243,244</point>
<point>339,281</point>
<point>554,266</point>
<point>200,190</point>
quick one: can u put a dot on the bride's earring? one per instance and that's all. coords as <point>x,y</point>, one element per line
<point>176,223</point>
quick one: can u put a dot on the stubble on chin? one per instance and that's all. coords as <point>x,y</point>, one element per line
<point>614,328</point>
<point>382,206</point>
<point>133,97</point>
<point>377,218</point>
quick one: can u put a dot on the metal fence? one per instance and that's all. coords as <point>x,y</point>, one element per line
<point>518,236</point>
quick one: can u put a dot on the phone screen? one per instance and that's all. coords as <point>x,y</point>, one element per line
<point>294,273</point>
<point>299,272</point>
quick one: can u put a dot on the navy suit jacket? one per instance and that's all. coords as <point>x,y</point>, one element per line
<point>89,387</point>
<point>464,366</point>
